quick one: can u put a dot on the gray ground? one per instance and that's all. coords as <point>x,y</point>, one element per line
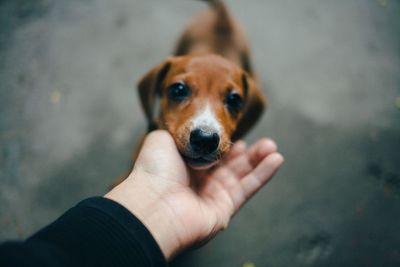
<point>69,117</point>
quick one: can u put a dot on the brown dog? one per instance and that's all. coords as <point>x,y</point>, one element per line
<point>207,93</point>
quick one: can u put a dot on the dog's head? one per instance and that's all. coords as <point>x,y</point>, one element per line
<point>206,102</point>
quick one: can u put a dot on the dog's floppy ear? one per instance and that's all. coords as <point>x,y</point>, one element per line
<point>254,104</point>
<point>149,87</point>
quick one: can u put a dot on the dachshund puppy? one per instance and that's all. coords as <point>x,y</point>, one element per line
<point>206,94</point>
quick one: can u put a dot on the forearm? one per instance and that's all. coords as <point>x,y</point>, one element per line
<point>147,206</point>
<point>96,232</point>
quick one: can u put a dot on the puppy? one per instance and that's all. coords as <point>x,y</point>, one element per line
<point>206,92</point>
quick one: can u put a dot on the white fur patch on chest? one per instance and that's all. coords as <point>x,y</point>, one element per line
<point>206,118</point>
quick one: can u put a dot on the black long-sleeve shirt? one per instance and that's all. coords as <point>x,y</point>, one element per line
<point>96,232</point>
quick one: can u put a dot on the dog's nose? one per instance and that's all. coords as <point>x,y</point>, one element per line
<point>204,141</point>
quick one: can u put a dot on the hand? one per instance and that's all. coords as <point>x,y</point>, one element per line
<point>182,207</point>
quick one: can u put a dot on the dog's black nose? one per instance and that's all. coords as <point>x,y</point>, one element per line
<point>204,141</point>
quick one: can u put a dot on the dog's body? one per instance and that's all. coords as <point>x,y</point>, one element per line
<point>208,96</point>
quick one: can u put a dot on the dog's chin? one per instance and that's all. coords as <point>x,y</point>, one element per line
<point>200,163</point>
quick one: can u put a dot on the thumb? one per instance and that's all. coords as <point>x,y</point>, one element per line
<point>160,157</point>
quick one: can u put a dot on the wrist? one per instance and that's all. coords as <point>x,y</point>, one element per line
<point>148,206</point>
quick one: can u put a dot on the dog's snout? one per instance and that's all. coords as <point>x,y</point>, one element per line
<point>204,141</point>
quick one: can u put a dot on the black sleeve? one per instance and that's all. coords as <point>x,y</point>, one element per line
<point>96,232</point>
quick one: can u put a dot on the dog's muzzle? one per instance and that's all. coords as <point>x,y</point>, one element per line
<point>203,141</point>
<point>203,146</point>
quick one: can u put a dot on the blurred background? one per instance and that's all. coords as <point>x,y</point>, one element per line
<point>69,119</point>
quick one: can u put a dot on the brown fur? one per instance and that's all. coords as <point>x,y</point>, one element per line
<point>212,57</point>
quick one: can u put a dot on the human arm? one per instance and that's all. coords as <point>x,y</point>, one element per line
<point>159,210</point>
<point>181,207</point>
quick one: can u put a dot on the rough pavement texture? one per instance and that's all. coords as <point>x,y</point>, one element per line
<point>69,117</point>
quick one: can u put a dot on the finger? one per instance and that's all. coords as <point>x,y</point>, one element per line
<point>159,155</point>
<point>157,137</point>
<point>157,143</point>
<point>245,163</point>
<point>236,150</point>
<point>255,180</point>
<point>261,149</point>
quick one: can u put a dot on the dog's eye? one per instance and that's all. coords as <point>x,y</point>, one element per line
<point>234,102</point>
<point>178,92</point>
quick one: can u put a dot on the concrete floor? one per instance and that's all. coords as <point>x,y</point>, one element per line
<point>69,117</point>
